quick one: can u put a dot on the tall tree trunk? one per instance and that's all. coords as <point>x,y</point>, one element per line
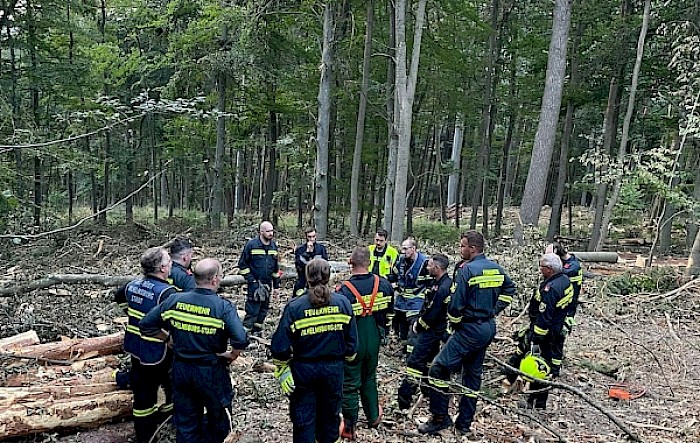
<point>270,162</point>
<point>536,182</point>
<point>392,113</point>
<point>485,145</point>
<point>622,153</point>
<point>505,156</point>
<point>406,90</point>
<point>692,226</point>
<point>555,219</point>
<point>693,266</point>
<point>217,205</point>
<point>360,130</point>
<point>323,126</point>
<point>455,160</point>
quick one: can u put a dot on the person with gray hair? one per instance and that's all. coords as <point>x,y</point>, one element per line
<point>547,309</point>
<point>150,359</point>
<point>207,336</point>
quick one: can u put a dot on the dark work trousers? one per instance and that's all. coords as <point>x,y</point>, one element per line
<point>255,313</point>
<point>522,348</point>
<point>554,347</point>
<point>199,386</point>
<point>426,346</point>
<point>464,350</point>
<point>145,381</point>
<point>538,398</point>
<point>314,406</point>
<point>557,354</point>
<point>401,325</point>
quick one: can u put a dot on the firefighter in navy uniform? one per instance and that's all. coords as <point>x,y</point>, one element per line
<point>259,265</point>
<point>314,337</point>
<point>150,358</point>
<point>482,289</point>
<point>203,326</point>
<point>303,254</point>
<point>571,266</point>
<point>180,275</point>
<point>429,330</point>
<point>372,298</point>
<point>413,280</point>
<point>547,309</point>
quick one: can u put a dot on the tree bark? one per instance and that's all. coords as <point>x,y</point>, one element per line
<point>486,114</point>
<point>693,266</point>
<point>406,90</point>
<point>48,415</point>
<point>75,349</point>
<point>536,182</point>
<point>360,130</point>
<point>392,113</point>
<point>323,125</point>
<point>622,153</point>
<point>217,205</point>
<point>455,159</point>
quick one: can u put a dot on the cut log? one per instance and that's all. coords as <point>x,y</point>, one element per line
<point>17,342</point>
<point>605,257</point>
<point>75,349</point>
<point>58,375</point>
<point>117,280</point>
<point>51,415</point>
<point>23,395</point>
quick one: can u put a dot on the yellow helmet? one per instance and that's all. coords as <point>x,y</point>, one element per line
<point>535,366</point>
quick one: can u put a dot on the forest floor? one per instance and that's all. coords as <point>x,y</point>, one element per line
<point>651,340</point>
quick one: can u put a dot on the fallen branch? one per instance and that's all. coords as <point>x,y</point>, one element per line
<point>670,295</point>
<point>620,424</point>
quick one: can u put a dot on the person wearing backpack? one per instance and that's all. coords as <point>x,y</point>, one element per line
<point>372,299</point>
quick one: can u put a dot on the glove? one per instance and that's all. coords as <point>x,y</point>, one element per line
<point>535,350</point>
<point>262,293</point>
<point>283,374</point>
<point>568,326</point>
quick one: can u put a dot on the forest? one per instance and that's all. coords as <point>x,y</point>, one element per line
<point>277,107</point>
<point>125,123</point>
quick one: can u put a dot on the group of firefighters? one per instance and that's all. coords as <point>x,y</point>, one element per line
<point>182,336</point>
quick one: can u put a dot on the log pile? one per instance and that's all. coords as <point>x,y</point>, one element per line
<point>71,388</point>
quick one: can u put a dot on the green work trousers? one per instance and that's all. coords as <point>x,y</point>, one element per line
<point>360,380</point>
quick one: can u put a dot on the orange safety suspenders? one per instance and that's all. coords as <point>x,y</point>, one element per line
<point>366,309</point>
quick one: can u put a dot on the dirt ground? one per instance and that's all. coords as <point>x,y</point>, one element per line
<point>650,340</point>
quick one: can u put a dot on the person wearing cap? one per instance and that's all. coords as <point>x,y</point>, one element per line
<point>150,358</point>
<point>207,336</point>
<point>180,275</point>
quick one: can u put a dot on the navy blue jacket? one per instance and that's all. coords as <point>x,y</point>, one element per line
<point>433,316</point>
<point>548,307</point>
<point>573,270</point>
<point>258,264</point>
<point>308,333</point>
<point>302,257</point>
<point>182,278</point>
<point>413,279</point>
<point>137,298</point>
<point>201,324</point>
<point>482,289</point>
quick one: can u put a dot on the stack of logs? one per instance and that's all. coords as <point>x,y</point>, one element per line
<point>71,388</point>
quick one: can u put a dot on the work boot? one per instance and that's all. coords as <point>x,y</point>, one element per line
<point>435,425</point>
<point>376,422</point>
